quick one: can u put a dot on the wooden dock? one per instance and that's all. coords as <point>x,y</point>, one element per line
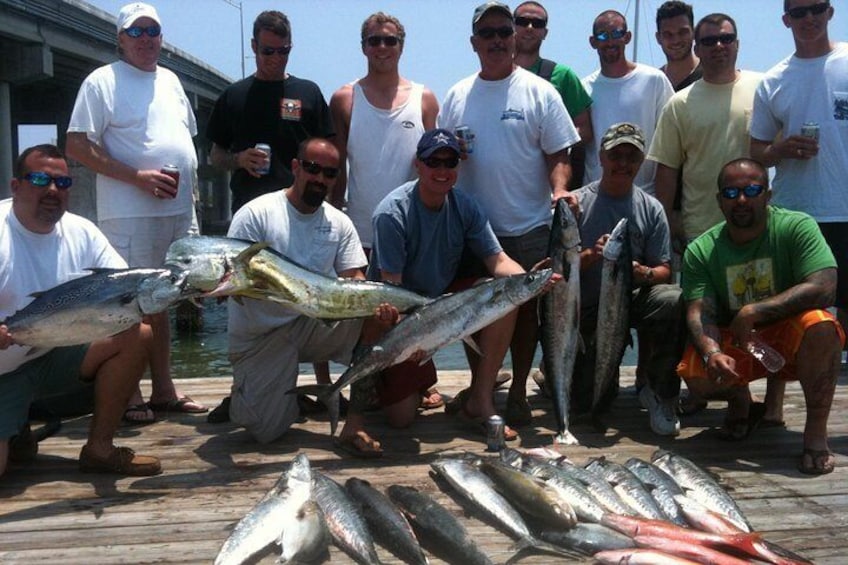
<point>213,474</point>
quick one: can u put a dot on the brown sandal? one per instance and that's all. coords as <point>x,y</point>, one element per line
<point>817,462</point>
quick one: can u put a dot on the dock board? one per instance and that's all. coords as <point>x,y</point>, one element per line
<point>213,474</point>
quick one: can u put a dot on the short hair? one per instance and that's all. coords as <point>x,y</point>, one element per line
<point>607,13</point>
<point>674,8</point>
<point>273,21</point>
<point>716,19</point>
<point>47,149</point>
<point>744,162</point>
<point>529,3</point>
<point>381,18</point>
<point>301,147</point>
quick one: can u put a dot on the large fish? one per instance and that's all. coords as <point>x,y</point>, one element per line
<point>305,538</point>
<point>234,267</point>
<point>628,486</point>
<point>604,493</point>
<point>437,527</point>
<point>588,538</point>
<point>559,316</point>
<point>448,319</point>
<point>662,487</point>
<point>578,496</point>
<point>613,328</point>
<point>344,520</point>
<point>95,306</point>
<point>640,556</point>
<point>263,524</point>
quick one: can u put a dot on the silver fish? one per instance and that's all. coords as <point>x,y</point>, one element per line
<point>346,524</point>
<point>263,524</point>
<point>95,306</point>
<point>628,486</point>
<point>603,492</point>
<point>305,538</point>
<point>588,538</point>
<point>613,325</point>
<point>578,496</point>
<point>662,487</point>
<point>559,316</point>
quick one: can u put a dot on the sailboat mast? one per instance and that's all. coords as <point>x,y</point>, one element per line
<point>636,33</point>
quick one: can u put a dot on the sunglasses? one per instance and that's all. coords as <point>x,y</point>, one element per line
<point>801,11</point>
<point>537,23</point>
<point>314,168</point>
<point>750,191</point>
<point>42,179</point>
<point>435,162</point>
<point>490,32</point>
<point>377,40</point>
<point>713,40</point>
<point>137,31</point>
<point>268,51</point>
<point>614,34</point>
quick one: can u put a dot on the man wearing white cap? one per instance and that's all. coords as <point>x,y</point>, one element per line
<point>132,118</point>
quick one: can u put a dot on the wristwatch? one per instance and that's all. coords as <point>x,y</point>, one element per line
<point>708,354</point>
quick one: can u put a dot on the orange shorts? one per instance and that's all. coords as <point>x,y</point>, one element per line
<point>784,336</point>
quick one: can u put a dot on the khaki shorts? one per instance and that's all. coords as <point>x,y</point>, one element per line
<point>143,242</point>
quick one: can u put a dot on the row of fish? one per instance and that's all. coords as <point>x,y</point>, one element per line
<point>668,510</point>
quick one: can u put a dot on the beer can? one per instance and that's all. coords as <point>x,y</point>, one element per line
<point>495,433</point>
<point>810,129</point>
<point>266,168</point>
<point>465,134</point>
<point>172,171</point>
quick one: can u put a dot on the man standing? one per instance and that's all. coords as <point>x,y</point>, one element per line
<point>809,87</point>
<point>518,166</point>
<point>764,275</point>
<point>622,91</point>
<point>675,34</point>
<point>44,246</point>
<point>130,119</point>
<point>270,107</point>
<point>655,307</point>
<point>531,28</point>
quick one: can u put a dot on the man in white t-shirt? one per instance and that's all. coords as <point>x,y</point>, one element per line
<point>132,118</point>
<point>42,246</point>
<point>518,164</point>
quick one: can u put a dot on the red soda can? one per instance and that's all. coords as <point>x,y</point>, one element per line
<point>174,172</point>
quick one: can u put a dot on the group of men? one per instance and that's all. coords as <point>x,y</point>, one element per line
<point>433,213</point>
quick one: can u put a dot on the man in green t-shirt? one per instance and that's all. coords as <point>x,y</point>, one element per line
<point>762,280</point>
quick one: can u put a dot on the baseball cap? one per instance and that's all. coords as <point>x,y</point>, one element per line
<point>483,9</point>
<point>434,140</point>
<point>623,132</point>
<point>131,12</point>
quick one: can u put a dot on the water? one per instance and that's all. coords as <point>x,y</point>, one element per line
<point>203,352</point>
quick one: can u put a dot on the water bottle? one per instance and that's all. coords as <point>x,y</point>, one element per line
<point>765,354</point>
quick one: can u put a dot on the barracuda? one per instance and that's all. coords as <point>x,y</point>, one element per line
<point>344,520</point>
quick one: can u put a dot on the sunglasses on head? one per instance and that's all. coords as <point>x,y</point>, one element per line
<point>436,162</point>
<point>314,168</point>
<point>801,11</point>
<point>614,34</point>
<point>750,191</point>
<point>268,51</point>
<point>713,40</point>
<point>490,32</point>
<point>42,179</point>
<point>537,23</point>
<point>377,40</point>
<point>137,31</point>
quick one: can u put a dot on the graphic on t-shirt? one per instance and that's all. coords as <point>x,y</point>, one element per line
<point>750,282</point>
<point>290,109</point>
<point>512,114</point>
<point>840,105</point>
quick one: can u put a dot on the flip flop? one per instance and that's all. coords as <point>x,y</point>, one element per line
<point>737,429</point>
<point>356,446</point>
<point>821,461</point>
<point>478,424</point>
<point>427,403</point>
<point>128,422</point>
<point>179,405</point>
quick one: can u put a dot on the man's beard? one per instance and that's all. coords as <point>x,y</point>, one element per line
<point>314,194</point>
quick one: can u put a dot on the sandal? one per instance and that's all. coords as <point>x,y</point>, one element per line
<point>737,429</point>
<point>180,405</point>
<point>427,399</point>
<point>148,417</point>
<point>359,446</point>
<point>690,405</point>
<point>816,461</point>
<point>478,423</point>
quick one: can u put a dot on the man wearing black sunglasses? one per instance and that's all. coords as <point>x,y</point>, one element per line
<point>44,245</point>
<point>519,164</point>
<point>130,119</point>
<point>800,126</point>
<point>763,277</point>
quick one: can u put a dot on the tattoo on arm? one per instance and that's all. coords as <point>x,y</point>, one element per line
<point>818,290</point>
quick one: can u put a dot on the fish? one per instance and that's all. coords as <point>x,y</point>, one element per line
<point>700,486</point>
<point>640,556</point>
<point>585,506</point>
<point>588,538</point>
<point>447,319</point>
<point>628,486</point>
<point>224,266</point>
<point>386,522</point>
<point>662,487</point>
<point>347,526</point>
<point>436,527</point>
<point>559,317</point>
<point>613,326</point>
<point>692,551</point>
<point>263,524</point>
<point>305,538</point>
<point>704,519</point>
<point>95,306</point>
<point>598,487</point>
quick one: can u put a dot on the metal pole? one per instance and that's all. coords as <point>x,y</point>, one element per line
<point>241,28</point>
<point>636,34</point>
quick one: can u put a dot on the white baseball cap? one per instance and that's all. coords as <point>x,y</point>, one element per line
<point>131,12</point>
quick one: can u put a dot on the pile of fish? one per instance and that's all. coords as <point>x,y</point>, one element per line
<point>668,510</point>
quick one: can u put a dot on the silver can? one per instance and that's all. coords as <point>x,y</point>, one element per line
<point>172,171</point>
<point>266,168</point>
<point>495,433</point>
<point>466,137</point>
<point>810,129</point>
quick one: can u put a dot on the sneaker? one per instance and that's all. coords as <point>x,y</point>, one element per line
<point>121,461</point>
<point>221,413</point>
<point>664,421</point>
<point>23,447</point>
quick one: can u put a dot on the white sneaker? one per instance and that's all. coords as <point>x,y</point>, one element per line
<point>664,421</point>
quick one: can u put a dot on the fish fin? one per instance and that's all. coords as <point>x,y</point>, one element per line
<point>531,543</point>
<point>252,250</point>
<point>469,341</point>
<point>325,394</point>
<point>98,270</point>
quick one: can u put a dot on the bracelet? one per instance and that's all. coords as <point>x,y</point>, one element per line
<point>706,357</point>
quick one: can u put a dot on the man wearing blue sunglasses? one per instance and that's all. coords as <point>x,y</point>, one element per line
<point>132,118</point>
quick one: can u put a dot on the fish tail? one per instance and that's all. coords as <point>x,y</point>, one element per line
<point>533,544</point>
<point>326,394</point>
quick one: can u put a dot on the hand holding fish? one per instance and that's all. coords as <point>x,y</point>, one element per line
<point>386,314</point>
<point>555,278</point>
<point>5,337</point>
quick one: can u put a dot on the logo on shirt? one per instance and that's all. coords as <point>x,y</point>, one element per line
<point>840,105</point>
<point>290,109</point>
<point>407,124</point>
<point>511,114</point>
<point>750,282</point>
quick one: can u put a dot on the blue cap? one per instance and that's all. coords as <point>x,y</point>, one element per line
<point>436,139</point>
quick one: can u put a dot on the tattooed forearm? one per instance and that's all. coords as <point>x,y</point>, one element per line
<point>701,318</point>
<point>816,291</point>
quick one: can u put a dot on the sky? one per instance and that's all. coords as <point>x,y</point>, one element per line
<point>437,52</point>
